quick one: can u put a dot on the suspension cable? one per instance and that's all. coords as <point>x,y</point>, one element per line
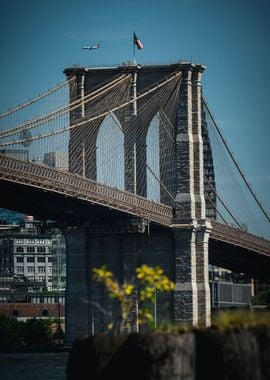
<point>61,111</point>
<point>223,204</point>
<point>235,162</point>
<point>39,97</point>
<point>163,186</point>
<point>213,204</point>
<point>99,116</point>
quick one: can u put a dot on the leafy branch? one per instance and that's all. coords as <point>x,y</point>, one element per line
<point>150,281</point>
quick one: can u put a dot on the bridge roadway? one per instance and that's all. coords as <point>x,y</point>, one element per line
<point>51,194</point>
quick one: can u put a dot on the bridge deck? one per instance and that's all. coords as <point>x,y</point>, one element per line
<point>71,185</point>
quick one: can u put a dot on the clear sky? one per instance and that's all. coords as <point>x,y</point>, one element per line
<point>40,38</point>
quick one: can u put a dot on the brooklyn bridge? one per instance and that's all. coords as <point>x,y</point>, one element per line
<point>131,164</point>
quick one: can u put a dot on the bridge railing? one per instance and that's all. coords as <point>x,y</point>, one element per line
<point>73,185</point>
<point>82,188</point>
<point>240,238</point>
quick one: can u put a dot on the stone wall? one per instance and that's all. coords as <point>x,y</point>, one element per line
<point>208,354</point>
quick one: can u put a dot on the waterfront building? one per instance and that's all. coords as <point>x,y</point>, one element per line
<point>34,253</point>
<point>228,289</point>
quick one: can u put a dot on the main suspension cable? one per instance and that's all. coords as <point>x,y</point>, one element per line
<point>236,164</point>
<point>39,97</point>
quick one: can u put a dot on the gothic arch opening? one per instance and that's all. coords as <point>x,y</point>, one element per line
<point>110,153</point>
<point>153,160</point>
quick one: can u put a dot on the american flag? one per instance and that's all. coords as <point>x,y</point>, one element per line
<point>137,42</point>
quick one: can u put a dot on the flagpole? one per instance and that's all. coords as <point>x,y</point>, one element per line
<point>134,58</point>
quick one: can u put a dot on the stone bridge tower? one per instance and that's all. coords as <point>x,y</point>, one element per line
<point>124,242</point>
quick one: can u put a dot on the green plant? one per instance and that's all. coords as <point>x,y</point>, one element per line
<point>150,280</point>
<point>33,332</point>
<point>37,332</point>
<point>263,298</point>
<point>243,318</point>
<point>10,332</point>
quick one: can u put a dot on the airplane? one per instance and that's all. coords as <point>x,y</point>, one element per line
<point>92,47</point>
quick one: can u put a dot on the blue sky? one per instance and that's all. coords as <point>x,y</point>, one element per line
<point>39,39</point>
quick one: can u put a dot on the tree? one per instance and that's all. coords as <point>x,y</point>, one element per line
<point>37,332</point>
<point>263,298</point>
<point>150,281</point>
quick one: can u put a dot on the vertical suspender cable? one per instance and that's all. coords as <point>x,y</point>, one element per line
<point>237,166</point>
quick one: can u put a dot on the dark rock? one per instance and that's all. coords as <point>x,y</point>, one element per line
<point>153,356</point>
<point>262,334</point>
<point>229,355</point>
<point>90,355</point>
<point>209,354</point>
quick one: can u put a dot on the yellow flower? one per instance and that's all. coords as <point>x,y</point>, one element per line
<point>150,280</point>
<point>110,326</point>
<point>128,288</point>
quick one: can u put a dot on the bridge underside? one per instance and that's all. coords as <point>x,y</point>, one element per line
<point>239,259</point>
<point>48,205</point>
<point>69,211</point>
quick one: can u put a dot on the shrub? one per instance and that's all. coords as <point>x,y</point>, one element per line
<point>240,318</point>
<point>150,280</point>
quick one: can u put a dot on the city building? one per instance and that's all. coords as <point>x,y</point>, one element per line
<point>228,289</point>
<point>22,154</point>
<point>34,254</point>
<point>58,260</point>
<point>58,160</point>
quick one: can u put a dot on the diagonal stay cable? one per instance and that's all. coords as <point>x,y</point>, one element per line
<point>213,204</point>
<point>223,204</point>
<point>163,186</point>
<point>61,111</point>
<point>101,115</point>
<point>236,164</point>
<point>50,91</point>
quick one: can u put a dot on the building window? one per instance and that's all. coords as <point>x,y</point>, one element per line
<point>41,259</point>
<point>41,249</point>
<point>30,259</point>
<point>31,269</point>
<point>20,269</point>
<point>19,259</point>
<point>30,249</point>
<point>15,313</point>
<point>29,241</point>
<point>40,279</point>
<point>41,269</point>
<point>45,313</point>
<point>49,269</point>
<point>19,249</point>
<point>49,259</point>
